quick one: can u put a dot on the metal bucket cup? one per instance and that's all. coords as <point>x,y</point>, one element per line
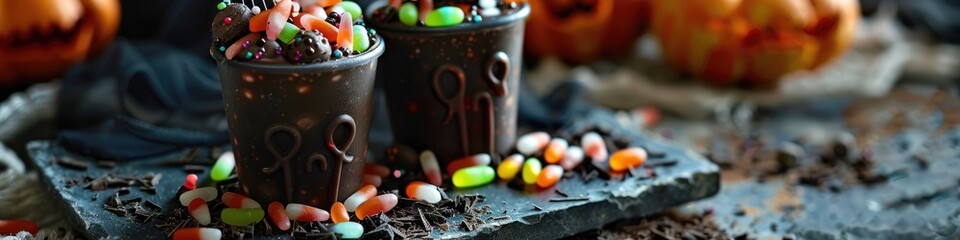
<point>453,90</point>
<point>299,132</point>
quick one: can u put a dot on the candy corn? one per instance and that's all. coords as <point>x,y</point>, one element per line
<point>379,204</point>
<point>482,159</point>
<point>198,210</point>
<point>236,200</point>
<point>366,192</point>
<point>428,161</point>
<point>303,213</point>
<point>205,193</point>
<point>423,191</point>
<point>278,214</point>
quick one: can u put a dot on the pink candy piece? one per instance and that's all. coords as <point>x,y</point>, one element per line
<point>278,17</point>
<point>303,213</point>
<point>236,200</point>
<point>197,234</point>
<point>198,210</point>
<point>594,146</point>
<point>370,179</point>
<point>428,161</point>
<point>191,182</point>
<point>279,215</point>
<point>376,169</point>
<point>469,161</point>
<point>238,46</point>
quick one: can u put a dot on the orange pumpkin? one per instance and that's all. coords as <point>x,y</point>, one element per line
<point>752,41</point>
<point>581,31</point>
<point>40,39</point>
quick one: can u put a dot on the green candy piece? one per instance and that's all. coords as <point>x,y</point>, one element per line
<point>352,8</point>
<point>224,165</point>
<point>409,14</point>
<point>360,39</point>
<point>288,33</point>
<point>473,176</point>
<point>221,6</point>
<point>348,229</point>
<point>241,217</point>
<point>445,17</point>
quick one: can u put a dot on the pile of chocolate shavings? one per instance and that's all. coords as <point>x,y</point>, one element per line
<point>663,226</point>
<point>412,219</point>
<point>132,207</point>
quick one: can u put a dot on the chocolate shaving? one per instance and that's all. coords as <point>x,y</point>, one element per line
<point>192,168</point>
<point>107,164</point>
<point>535,207</point>
<point>561,193</point>
<point>72,163</point>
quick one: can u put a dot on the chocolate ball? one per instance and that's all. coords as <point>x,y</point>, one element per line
<point>308,47</point>
<point>231,23</point>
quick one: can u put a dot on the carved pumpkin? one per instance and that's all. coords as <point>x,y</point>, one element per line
<point>752,41</point>
<point>580,31</point>
<point>40,39</point>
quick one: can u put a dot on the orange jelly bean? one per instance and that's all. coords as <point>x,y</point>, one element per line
<point>310,23</point>
<point>258,23</point>
<point>380,204</point>
<point>328,3</point>
<point>555,150</point>
<point>338,213</point>
<point>549,176</point>
<point>362,195</point>
<point>627,158</point>
<point>345,36</point>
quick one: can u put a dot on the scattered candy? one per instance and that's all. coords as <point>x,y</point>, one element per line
<point>379,204</point>
<point>531,170</point>
<point>241,217</point>
<point>348,230</point>
<point>345,37</point>
<point>428,161</point>
<point>445,17</point>
<point>352,8</point>
<point>594,146</point>
<point>409,14</point>
<point>205,193</point>
<point>473,176</point>
<point>366,192</point>
<point>555,150</point>
<point>481,159</point>
<point>310,23</point>
<point>223,167</point>
<point>221,6</point>
<point>197,233</point>
<point>190,182</point>
<point>338,213</point>
<point>259,22</point>
<point>361,41</point>
<point>627,158</point>
<point>509,167</point>
<point>423,191</point>
<point>303,213</point>
<point>549,176</point>
<point>376,169</point>
<point>572,158</point>
<point>278,215</point>
<point>370,179</point>
<point>530,143</point>
<point>236,200</point>
<point>12,227</point>
<point>198,210</point>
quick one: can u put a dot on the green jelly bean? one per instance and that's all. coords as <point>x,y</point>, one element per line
<point>348,229</point>
<point>224,166</point>
<point>531,170</point>
<point>241,217</point>
<point>445,17</point>
<point>221,6</point>
<point>352,8</point>
<point>361,41</point>
<point>409,14</point>
<point>473,176</point>
<point>288,33</point>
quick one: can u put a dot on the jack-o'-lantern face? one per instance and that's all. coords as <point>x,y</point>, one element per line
<point>580,31</point>
<point>40,39</point>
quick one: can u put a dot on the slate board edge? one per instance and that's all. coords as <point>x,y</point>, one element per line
<point>61,203</point>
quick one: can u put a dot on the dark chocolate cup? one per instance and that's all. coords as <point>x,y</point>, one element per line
<point>454,90</point>
<point>299,132</point>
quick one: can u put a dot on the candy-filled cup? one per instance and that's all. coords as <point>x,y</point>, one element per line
<point>299,132</point>
<point>453,90</point>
